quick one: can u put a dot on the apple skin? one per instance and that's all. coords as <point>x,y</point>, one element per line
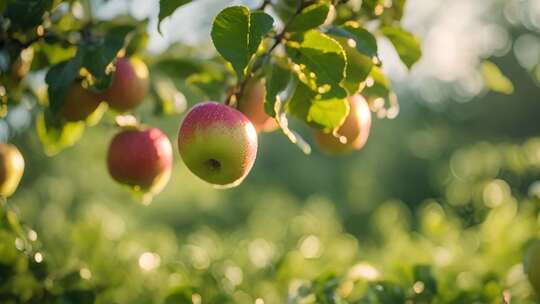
<point>218,143</point>
<point>11,169</point>
<point>141,159</point>
<point>252,105</point>
<point>79,103</point>
<point>129,84</point>
<point>355,129</point>
<point>531,265</point>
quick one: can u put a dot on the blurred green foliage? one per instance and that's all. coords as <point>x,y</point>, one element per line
<point>262,241</point>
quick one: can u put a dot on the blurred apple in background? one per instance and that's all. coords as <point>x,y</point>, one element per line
<point>11,169</point>
<point>355,129</point>
<point>252,105</point>
<point>129,84</point>
<point>141,159</point>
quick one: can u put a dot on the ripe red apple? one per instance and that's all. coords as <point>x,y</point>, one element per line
<point>11,169</point>
<point>129,84</point>
<point>355,129</point>
<point>79,103</point>
<point>218,143</point>
<point>531,265</point>
<point>252,105</point>
<point>141,159</point>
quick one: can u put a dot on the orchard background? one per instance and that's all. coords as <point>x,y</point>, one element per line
<point>440,206</point>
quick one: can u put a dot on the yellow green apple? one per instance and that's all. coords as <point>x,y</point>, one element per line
<point>217,143</point>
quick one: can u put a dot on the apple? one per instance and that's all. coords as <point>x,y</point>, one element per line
<point>11,169</point>
<point>252,105</point>
<point>531,265</point>
<point>218,143</point>
<point>141,159</point>
<point>355,129</point>
<point>79,103</point>
<point>129,84</point>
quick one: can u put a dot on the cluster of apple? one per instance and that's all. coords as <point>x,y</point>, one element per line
<point>217,142</point>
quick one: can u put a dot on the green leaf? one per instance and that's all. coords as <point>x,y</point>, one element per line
<point>25,14</point>
<point>137,43</point>
<point>260,24</point>
<point>167,8</point>
<point>99,54</point>
<point>495,79</point>
<point>230,35</point>
<point>236,34</point>
<point>319,111</point>
<point>320,62</point>
<point>293,136</point>
<point>362,39</point>
<point>52,54</point>
<point>60,77</point>
<point>406,44</point>
<point>358,67</point>
<point>395,13</point>
<point>310,18</point>
<point>56,136</point>
<point>372,5</point>
<point>277,79</point>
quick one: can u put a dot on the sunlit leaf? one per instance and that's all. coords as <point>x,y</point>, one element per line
<point>495,80</point>
<point>358,67</point>
<point>56,136</point>
<point>406,44</point>
<point>311,17</point>
<point>237,33</point>
<point>319,111</point>
<point>277,78</point>
<point>320,62</point>
<point>360,38</point>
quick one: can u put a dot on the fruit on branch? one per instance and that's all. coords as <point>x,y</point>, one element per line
<point>141,159</point>
<point>355,129</point>
<point>218,143</point>
<point>252,105</point>
<point>532,265</point>
<point>129,84</point>
<point>11,169</point>
<point>79,103</point>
